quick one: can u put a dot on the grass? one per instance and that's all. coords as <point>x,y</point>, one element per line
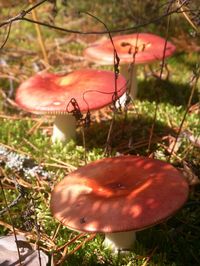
<point>174,242</point>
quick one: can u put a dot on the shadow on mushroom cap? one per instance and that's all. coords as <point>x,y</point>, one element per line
<point>119,194</point>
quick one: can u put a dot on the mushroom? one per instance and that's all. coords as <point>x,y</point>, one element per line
<point>64,95</point>
<point>137,48</point>
<point>119,196</point>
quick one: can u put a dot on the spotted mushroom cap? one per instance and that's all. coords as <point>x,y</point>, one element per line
<point>146,47</point>
<point>119,194</point>
<point>52,93</point>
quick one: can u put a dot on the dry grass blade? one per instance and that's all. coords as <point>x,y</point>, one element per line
<point>66,255</point>
<point>56,165</point>
<point>71,241</point>
<point>35,127</point>
<point>45,240</point>
<point>56,232</point>
<point>30,144</point>
<point>187,13</point>
<point>10,101</point>
<point>13,149</point>
<point>9,76</point>
<point>39,35</point>
<point>146,262</point>
<point>69,166</point>
<point>19,117</point>
<point>18,231</point>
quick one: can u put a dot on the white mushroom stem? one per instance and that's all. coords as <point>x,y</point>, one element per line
<point>120,241</point>
<point>129,72</point>
<point>64,128</point>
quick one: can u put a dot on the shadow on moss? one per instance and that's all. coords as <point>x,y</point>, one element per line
<point>166,91</point>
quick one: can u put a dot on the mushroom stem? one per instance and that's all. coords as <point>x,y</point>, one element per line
<point>120,241</point>
<point>64,128</point>
<point>129,72</point>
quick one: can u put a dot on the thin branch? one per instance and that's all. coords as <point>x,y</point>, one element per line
<point>7,36</point>
<point>35,6</point>
<point>13,203</point>
<point>184,10</point>
<point>195,80</point>
<point>160,76</point>
<point>10,218</point>
<point>22,14</point>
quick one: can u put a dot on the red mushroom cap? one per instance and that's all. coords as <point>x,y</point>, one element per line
<point>52,93</point>
<point>150,48</point>
<point>119,194</point>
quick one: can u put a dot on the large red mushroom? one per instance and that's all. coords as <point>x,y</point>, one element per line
<point>119,196</point>
<point>137,48</point>
<point>62,95</point>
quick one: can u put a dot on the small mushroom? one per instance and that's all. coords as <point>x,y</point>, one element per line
<point>65,95</point>
<point>137,48</point>
<point>119,196</point>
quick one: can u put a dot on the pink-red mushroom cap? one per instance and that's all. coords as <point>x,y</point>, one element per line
<point>52,93</point>
<point>65,95</point>
<point>137,48</point>
<point>145,47</point>
<point>119,194</point>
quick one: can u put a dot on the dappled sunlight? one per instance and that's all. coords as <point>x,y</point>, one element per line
<point>119,194</point>
<point>135,211</point>
<point>141,186</point>
<point>151,111</point>
<point>53,92</point>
